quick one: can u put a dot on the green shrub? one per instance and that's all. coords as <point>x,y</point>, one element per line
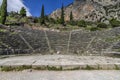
<point>52,20</point>
<point>58,21</point>
<point>94,28</point>
<point>114,23</point>
<point>102,25</point>
<point>40,68</point>
<point>73,23</point>
<point>116,67</point>
<point>54,68</point>
<point>7,68</point>
<point>12,13</point>
<point>36,20</point>
<point>89,68</point>
<point>81,23</point>
<point>19,68</point>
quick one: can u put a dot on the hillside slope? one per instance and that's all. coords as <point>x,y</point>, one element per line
<point>91,10</point>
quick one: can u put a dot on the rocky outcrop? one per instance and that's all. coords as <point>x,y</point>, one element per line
<point>91,10</point>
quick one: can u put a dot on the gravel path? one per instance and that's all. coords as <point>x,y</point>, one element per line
<point>61,75</point>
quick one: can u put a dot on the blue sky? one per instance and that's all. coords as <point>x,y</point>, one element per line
<point>50,5</point>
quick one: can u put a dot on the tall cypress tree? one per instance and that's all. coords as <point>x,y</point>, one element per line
<point>0,10</point>
<point>71,19</point>
<point>42,17</point>
<point>3,12</point>
<point>62,15</point>
<point>71,16</point>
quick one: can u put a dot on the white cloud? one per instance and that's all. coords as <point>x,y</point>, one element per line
<point>15,5</point>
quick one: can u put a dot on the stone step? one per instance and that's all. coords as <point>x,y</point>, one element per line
<point>62,62</point>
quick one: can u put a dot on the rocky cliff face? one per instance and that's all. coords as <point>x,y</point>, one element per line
<point>91,10</point>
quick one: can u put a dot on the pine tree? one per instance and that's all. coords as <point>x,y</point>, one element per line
<point>3,12</point>
<point>42,17</point>
<point>62,15</point>
<point>71,16</point>
<point>23,12</point>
